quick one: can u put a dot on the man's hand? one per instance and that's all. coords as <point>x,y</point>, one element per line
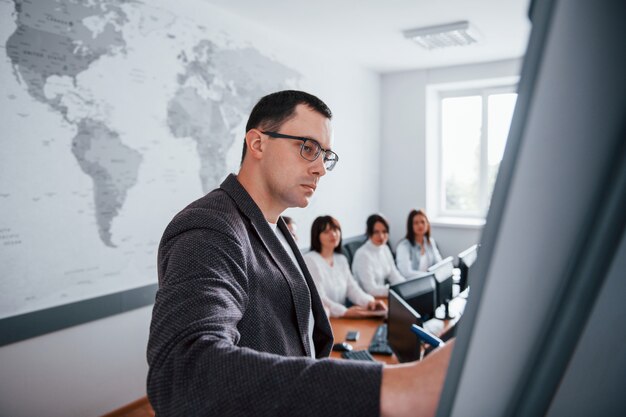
<point>413,389</point>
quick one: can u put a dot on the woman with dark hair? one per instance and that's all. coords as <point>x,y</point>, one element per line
<point>331,273</point>
<point>417,251</point>
<point>373,263</point>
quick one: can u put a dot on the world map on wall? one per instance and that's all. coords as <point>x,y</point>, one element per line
<point>115,115</point>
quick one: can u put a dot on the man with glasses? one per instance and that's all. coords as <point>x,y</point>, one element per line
<point>238,327</point>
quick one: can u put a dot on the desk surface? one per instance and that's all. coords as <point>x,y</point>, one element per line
<point>367,328</point>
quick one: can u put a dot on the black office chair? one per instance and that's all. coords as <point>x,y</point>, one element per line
<point>350,246</point>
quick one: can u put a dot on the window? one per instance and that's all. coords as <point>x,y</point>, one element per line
<point>471,129</point>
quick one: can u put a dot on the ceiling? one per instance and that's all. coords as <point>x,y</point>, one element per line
<point>370,31</point>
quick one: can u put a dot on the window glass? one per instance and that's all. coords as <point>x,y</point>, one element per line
<point>461,122</point>
<point>474,126</point>
<point>500,112</point>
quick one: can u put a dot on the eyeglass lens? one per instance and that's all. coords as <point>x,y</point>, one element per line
<point>311,149</point>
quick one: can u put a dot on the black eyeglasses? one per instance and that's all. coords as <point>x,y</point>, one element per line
<point>310,149</point>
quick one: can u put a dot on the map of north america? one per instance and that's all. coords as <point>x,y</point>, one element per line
<point>117,114</point>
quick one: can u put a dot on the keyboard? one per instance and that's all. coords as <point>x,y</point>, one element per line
<point>379,343</point>
<point>358,355</point>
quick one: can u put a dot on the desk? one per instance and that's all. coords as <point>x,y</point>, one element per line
<point>367,328</point>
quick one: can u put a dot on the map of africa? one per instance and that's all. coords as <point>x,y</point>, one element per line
<point>115,115</point>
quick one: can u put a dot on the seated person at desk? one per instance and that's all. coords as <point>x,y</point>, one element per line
<point>417,251</point>
<point>331,273</point>
<point>373,262</point>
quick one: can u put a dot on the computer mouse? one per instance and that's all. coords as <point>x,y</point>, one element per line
<point>342,347</point>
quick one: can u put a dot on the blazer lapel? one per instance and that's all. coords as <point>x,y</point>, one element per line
<point>299,290</point>
<point>322,324</point>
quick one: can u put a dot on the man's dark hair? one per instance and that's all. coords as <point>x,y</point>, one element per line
<point>372,220</point>
<point>274,109</point>
<point>319,225</point>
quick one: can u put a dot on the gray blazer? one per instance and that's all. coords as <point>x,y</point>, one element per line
<point>229,331</point>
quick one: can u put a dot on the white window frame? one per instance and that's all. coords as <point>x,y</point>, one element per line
<point>435,197</point>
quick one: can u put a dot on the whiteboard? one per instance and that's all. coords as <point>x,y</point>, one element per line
<point>555,222</point>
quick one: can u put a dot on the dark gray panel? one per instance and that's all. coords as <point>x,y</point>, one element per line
<point>24,326</point>
<point>594,382</point>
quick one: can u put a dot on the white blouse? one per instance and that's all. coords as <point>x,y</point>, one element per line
<point>372,265</point>
<point>335,283</point>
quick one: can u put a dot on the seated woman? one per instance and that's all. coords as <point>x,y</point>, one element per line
<point>331,273</point>
<point>417,251</point>
<point>373,263</point>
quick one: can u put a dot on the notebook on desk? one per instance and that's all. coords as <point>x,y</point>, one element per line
<point>434,326</point>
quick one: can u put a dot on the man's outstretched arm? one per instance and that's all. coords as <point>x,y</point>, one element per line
<point>413,389</point>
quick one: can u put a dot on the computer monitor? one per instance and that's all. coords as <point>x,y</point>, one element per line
<point>442,272</point>
<point>466,260</point>
<point>420,294</point>
<point>401,316</point>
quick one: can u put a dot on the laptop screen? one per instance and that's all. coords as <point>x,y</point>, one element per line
<point>399,335</point>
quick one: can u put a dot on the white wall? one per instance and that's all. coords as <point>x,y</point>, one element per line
<point>86,370</point>
<point>99,366</point>
<point>403,146</point>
